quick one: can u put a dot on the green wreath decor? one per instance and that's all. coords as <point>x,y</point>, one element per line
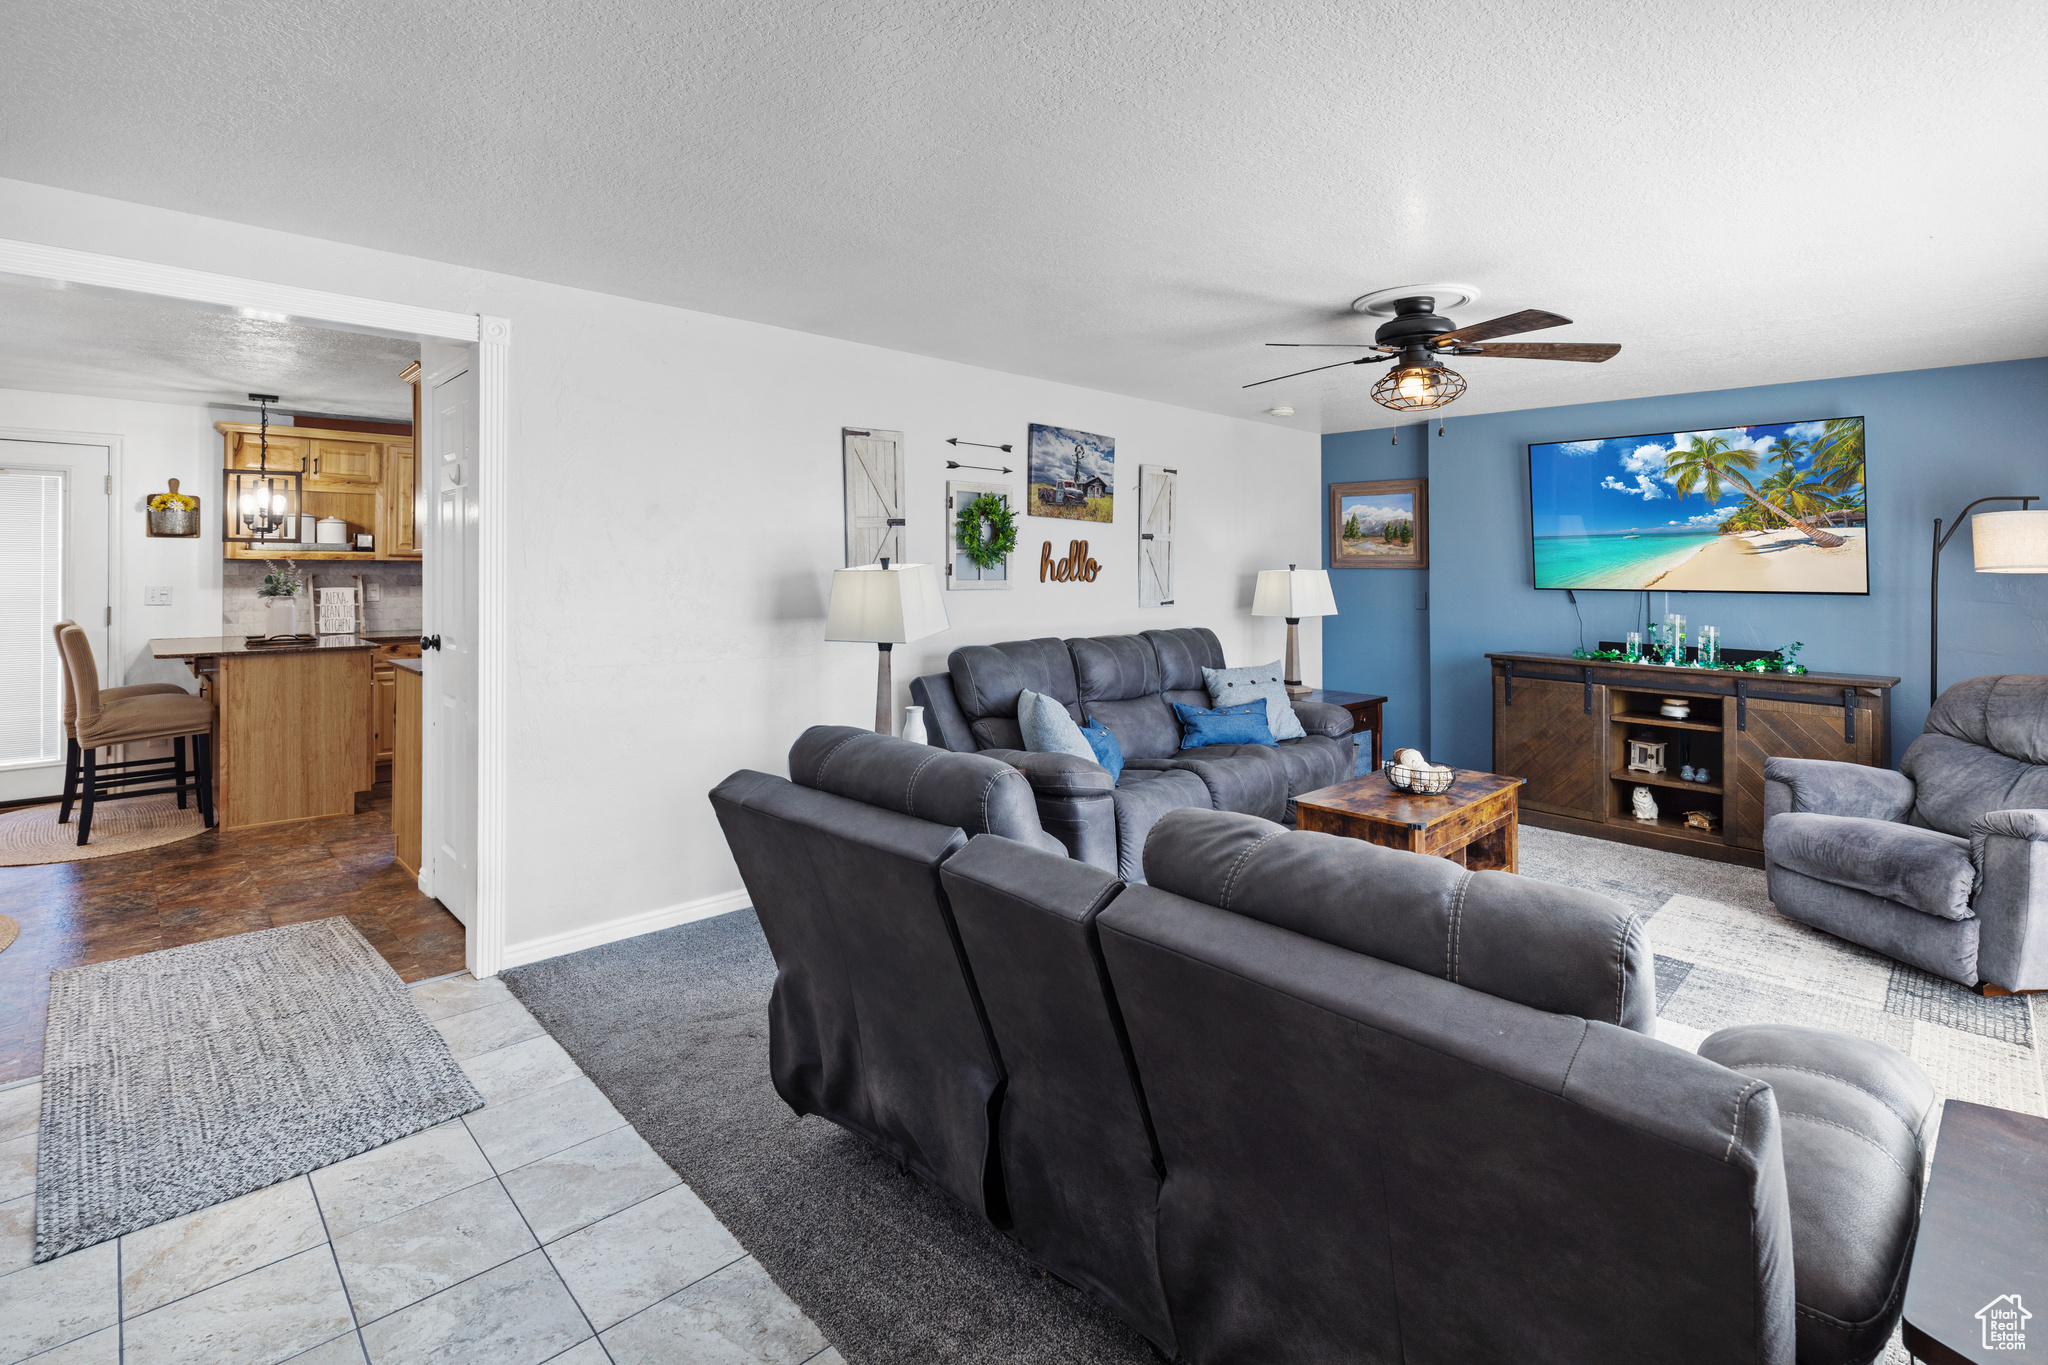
<point>993,511</point>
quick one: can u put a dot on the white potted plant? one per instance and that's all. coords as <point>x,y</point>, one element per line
<point>280,594</point>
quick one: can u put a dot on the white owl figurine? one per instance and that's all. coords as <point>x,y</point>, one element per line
<point>1645,806</point>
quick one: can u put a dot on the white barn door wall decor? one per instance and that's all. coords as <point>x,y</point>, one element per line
<point>1157,488</point>
<point>874,495</point>
<point>962,572</point>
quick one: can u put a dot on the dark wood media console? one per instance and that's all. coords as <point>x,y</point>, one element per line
<point>1563,724</point>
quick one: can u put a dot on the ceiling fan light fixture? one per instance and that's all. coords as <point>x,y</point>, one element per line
<point>1415,387</point>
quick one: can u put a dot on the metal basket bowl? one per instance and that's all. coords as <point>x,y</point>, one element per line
<point>1421,781</point>
<point>174,521</point>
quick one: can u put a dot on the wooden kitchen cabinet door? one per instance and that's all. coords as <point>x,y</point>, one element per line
<point>386,714</point>
<point>1549,737</point>
<point>400,535</point>
<point>346,462</point>
<point>247,450</point>
<point>1790,729</point>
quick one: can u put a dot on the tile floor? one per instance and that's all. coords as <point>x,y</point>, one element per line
<point>539,1228</point>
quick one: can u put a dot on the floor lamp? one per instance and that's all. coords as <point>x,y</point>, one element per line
<point>2004,542</point>
<point>885,605</point>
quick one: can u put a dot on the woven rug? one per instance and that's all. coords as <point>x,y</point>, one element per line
<point>181,1078</point>
<point>10,930</point>
<point>31,834</point>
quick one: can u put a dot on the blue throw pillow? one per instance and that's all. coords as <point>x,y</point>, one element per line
<point>1226,725</point>
<point>1108,752</point>
<point>1047,727</point>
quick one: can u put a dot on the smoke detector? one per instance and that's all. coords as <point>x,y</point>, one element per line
<point>1280,412</point>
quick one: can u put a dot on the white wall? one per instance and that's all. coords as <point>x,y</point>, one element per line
<point>159,442</point>
<point>676,504</point>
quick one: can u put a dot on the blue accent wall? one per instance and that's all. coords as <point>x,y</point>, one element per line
<point>1937,439</point>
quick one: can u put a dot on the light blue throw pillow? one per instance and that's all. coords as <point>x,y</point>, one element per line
<point>1048,729</point>
<point>1242,686</point>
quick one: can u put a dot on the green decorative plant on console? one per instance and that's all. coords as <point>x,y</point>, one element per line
<point>1786,660</point>
<point>986,530</point>
<point>280,592</point>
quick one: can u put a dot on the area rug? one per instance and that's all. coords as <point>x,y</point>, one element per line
<point>10,930</point>
<point>673,1027</point>
<point>30,835</point>
<point>181,1078</point>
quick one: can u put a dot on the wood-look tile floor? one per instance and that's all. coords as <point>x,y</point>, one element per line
<point>209,886</point>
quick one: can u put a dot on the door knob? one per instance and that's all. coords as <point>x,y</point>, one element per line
<point>430,642</point>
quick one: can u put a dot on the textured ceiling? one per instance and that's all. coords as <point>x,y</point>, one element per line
<point>1123,194</point>
<point>108,346</point>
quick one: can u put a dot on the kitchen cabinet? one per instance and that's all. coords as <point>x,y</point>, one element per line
<point>346,465</point>
<point>384,695</point>
<point>406,765</point>
<point>368,481</point>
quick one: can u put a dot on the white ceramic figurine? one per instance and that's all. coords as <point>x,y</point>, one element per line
<point>1645,806</point>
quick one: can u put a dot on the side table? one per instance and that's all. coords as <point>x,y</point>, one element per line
<point>1364,709</point>
<point>1980,1266</point>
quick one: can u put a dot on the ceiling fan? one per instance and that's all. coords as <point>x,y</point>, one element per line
<point>1418,337</point>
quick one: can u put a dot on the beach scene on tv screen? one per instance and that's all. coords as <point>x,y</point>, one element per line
<point>1775,508</point>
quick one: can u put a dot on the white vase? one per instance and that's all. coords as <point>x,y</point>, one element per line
<point>913,724</point>
<point>281,615</point>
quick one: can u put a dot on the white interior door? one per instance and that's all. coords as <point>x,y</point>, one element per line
<point>449,783</point>
<point>54,506</point>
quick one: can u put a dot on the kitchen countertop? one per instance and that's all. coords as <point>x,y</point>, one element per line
<point>203,646</point>
<point>418,666</point>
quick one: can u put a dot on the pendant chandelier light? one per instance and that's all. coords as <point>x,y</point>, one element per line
<point>262,504</point>
<point>1417,386</point>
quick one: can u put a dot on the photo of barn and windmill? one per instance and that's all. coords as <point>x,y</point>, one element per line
<point>1072,473</point>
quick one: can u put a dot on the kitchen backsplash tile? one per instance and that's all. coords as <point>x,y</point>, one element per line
<point>396,612</point>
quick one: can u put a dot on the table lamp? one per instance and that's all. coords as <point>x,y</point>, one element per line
<point>884,605</point>
<point>1293,593</point>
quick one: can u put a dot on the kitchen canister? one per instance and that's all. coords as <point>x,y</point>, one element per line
<point>332,531</point>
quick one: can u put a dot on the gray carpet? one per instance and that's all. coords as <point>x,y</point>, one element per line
<point>178,1079</point>
<point>673,1027</point>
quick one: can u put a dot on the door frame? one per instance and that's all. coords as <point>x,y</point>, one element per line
<point>34,264</point>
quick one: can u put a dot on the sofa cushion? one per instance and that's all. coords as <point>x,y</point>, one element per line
<point>1922,868</point>
<point>1955,781</point>
<point>1183,654</point>
<point>1141,799</point>
<point>1145,727</point>
<point>972,792</point>
<point>1546,946</point>
<point>988,678</point>
<point>1853,1115</point>
<point>1115,668</point>
<point>1048,729</point>
<point>2007,713</point>
<point>1201,726</point>
<point>1237,686</point>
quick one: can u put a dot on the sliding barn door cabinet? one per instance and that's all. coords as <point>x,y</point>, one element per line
<point>1565,726</point>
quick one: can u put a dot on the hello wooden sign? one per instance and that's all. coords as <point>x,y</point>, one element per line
<point>1077,567</point>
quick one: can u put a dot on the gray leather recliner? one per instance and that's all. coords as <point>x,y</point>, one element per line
<point>1127,683</point>
<point>1942,864</point>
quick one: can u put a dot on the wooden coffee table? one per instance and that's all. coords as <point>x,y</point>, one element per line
<point>1979,1281</point>
<point>1472,824</point>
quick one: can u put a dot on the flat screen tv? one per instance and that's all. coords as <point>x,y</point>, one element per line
<point>1772,508</point>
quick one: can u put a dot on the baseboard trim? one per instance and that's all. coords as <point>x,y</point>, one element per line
<point>631,926</point>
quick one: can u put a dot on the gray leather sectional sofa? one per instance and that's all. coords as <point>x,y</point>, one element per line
<point>1127,683</point>
<point>1303,1099</point>
<point>1942,864</point>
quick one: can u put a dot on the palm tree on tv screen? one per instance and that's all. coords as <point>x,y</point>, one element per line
<point>1706,463</point>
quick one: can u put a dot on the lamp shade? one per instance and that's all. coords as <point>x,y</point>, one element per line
<point>1293,592</point>
<point>2010,542</point>
<point>878,605</point>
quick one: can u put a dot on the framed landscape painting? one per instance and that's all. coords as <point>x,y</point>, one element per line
<point>1380,524</point>
<point>1072,473</point>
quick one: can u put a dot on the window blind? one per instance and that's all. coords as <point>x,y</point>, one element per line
<point>31,601</point>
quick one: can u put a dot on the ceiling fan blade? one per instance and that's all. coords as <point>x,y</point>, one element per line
<point>1278,377</point>
<point>1547,350</point>
<point>1528,320</point>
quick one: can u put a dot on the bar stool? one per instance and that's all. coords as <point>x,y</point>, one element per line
<point>71,722</point>
<point>104,720</point>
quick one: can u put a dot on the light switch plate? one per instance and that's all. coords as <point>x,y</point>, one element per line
<point>156,597</point>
